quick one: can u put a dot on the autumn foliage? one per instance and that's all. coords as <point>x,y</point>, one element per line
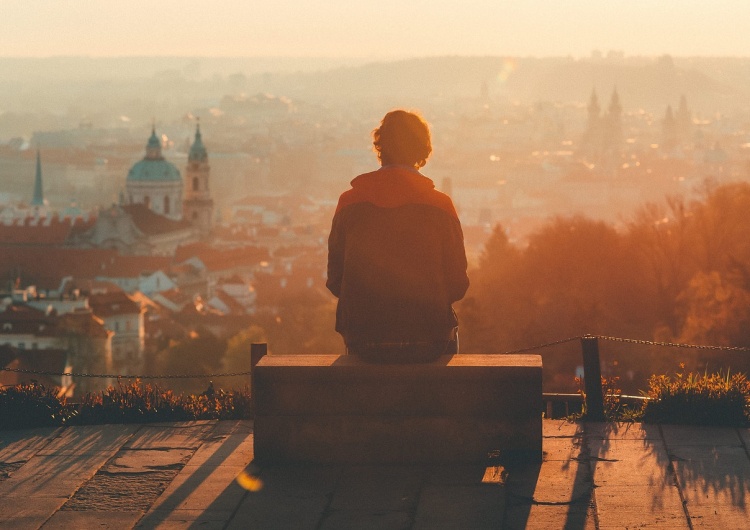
<point>676,272</point>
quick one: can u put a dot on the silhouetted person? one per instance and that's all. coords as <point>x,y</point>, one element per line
<point>396,257</point>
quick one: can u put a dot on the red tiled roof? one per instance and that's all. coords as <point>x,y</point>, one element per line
<point>134,266</point>
<point>18,318</point>
<point>43,231</point>
<point>151,223</point>
<point>25,319</point>
<point>46,267</point>
<point>115,303</point>
<point>220,259</point>
<point>283,203</point>
<point>84,323</point>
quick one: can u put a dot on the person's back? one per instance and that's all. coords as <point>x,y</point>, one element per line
<point>396,255</point>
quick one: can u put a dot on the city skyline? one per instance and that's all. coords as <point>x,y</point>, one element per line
<point>388,29</point>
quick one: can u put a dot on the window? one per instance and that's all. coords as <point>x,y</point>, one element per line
<point>196,184</point>
<point>166,204</point>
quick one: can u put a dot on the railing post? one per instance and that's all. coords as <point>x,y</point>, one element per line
<point>592,378</point>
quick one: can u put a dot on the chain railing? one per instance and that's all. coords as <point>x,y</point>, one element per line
<point>538,347</point>
<point>589,347</point>
<point>125,376</point>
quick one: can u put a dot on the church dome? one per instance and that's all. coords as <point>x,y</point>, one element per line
<point>153,167</point>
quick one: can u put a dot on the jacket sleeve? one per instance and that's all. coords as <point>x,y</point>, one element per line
<point>336,241</point>
<point>454,258</point>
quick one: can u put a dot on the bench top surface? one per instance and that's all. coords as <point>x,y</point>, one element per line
<point>470,360</point>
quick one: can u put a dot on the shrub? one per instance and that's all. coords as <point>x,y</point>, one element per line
<point>614,408</point>
<point>694,399</point>
<point>130,403</point>
<point>31,405</point>
<point>34,405</point>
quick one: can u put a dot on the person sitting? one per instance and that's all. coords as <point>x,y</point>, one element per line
<point>396,257</point>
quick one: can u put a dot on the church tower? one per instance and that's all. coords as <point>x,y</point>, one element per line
<point>594,111</point>
<point>38,198</point>
<point>198,206</point>
<point>613,133</point>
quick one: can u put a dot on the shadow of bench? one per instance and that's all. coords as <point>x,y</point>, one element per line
<point>338,409</point>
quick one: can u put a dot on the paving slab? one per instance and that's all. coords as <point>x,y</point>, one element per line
<point>480,506</point>
<point>51,476</point>
<point>716,485</point>
<point>614,476</point>
<point>111,519</point>
<point>744,437</point>
<point>635,485</point>
<point>545,517</point>
<point>622,431</point>
<point>201,489</point>
<point>278,513</point>
<point>20,445</point>
<point>89,439</point>
<point>183,435</point>
<point>365,520</point>
<point>675,435</point>
<point>378,488</point>
<point>561,429</point>
<point>147,460</point>
<point>234,448</point>
<point>19,515</point>
<point>204,519</point>
<point>119,492</point>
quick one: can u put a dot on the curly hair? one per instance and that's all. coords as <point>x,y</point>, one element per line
<point>402,138</point>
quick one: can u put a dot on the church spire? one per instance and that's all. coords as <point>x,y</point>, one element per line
<point>38,199</point>
<point>153,146</point>
<point>198,150</point>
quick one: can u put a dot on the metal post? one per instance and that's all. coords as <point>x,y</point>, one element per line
<point>592,378</point>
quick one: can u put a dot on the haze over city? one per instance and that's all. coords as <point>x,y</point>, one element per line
<point>374,30</point>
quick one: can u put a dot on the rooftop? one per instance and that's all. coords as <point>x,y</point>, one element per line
<point>183,475</point>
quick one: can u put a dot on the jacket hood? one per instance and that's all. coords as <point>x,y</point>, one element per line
<point>392,186</point>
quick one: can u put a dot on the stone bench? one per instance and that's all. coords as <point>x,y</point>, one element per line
<point>338,409</point>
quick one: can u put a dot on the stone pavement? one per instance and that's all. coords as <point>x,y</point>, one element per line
<point>183,475</point>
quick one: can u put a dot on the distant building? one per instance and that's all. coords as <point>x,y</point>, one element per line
<point>198,205</point>
<point>603,131</point>
<point>42,340</point>
<point>156,182</point>
<point>123,317</point>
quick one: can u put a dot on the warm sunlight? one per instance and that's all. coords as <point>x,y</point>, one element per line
<point>386,29</point>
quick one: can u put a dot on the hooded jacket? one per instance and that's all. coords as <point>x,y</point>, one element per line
<point>396,259</point>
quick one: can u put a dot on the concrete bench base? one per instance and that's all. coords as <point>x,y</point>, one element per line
<point>337,409</point>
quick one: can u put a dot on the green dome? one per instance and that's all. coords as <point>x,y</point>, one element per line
<point>153,167</point>
<point>154,170</point>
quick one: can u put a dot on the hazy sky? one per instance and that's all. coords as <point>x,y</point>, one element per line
<point>388,28</point>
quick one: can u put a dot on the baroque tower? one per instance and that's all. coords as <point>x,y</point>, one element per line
<point>198,206</point>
